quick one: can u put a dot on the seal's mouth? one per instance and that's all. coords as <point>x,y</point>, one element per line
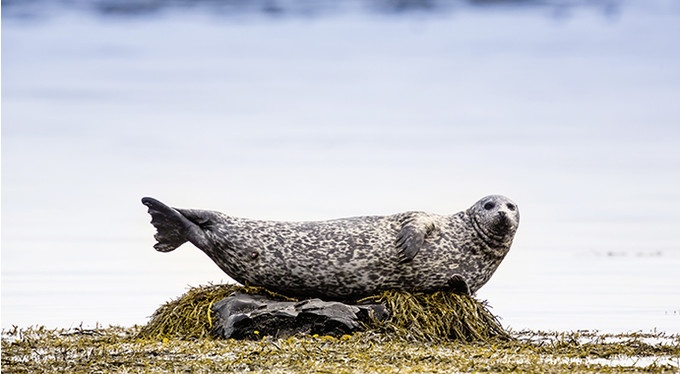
<point>502,224</point>
<point>497,230</point>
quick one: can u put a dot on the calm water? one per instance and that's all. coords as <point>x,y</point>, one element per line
<point>571,112</point>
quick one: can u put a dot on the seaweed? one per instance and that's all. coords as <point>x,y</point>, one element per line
<point>438,316</point>
<point>120,349</point>
<point>439,332</point>
<point>190,316</point>
<point>423,317</point>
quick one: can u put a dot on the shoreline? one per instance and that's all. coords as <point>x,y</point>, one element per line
<point>116,348</point>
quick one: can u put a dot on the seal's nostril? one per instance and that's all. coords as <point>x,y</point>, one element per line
<point>502,213</point>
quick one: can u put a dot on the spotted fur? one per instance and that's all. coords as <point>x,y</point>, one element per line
<point>349,258</point>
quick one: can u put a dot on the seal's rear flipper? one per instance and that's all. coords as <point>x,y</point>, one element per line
<point>171,225</point>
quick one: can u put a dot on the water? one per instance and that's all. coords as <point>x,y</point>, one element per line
<point>571,112</point>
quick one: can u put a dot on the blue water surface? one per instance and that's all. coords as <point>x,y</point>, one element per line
<point>316,112</point>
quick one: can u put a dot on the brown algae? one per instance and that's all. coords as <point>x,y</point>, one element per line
<point>433,333</point>
<point>116,349</point>
<point>422,317</point>
<point>437,316</point>
<point>190,316</point>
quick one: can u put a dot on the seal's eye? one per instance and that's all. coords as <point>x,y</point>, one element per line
<point>489,205</point>
<point>511,207</point>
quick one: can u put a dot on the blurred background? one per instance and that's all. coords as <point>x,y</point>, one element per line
<point>306,110</point>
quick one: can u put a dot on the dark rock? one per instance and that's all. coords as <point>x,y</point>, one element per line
<point>240,316</point>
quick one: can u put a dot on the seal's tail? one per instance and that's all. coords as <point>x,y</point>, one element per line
<point>169,223</point>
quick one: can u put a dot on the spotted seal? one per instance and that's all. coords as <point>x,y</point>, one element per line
<point>349,258</point>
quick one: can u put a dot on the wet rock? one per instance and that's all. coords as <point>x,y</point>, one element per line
<point>243,316</point>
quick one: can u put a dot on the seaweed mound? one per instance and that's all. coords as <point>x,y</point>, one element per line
<point>433,317</point>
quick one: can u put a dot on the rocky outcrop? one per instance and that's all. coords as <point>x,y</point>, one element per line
<point>244,316</point>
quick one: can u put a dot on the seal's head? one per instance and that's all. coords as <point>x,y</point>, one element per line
<point>496,219</point>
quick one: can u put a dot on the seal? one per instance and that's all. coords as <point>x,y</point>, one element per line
<point>349,258</point>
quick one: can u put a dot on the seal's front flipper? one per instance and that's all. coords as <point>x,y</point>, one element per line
<point>409,241</point>
<point>411,237</point>
<point>172,227</point>
<point>458,284</point>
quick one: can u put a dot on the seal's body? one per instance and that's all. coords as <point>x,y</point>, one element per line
<point>349,258</point>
